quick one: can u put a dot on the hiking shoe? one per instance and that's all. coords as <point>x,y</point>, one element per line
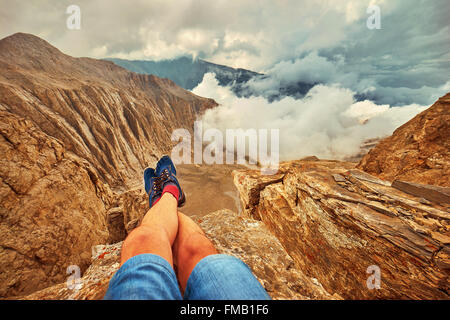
<point>165,163</point>
<point>153,185</point>
<point>166,171</point>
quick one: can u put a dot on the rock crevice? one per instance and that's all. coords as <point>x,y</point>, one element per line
<point>74,134</point>
<point>335,222</point>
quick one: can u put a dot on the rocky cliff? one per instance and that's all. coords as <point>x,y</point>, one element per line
<point>118,120</point>
<point>337,223</point>
<point>73,133</point>
<point>232,234</point>
<point>316,230</point>
<point>418,151</point>
<point>52,208</point>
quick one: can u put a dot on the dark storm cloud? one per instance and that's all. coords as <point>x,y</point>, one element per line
<point>407,61</point>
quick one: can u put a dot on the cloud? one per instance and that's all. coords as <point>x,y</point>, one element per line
<point>314,41</point>
<point>269,32</point>
<point>311,69</point>
<point>328,122</point>
<point>401,88</point>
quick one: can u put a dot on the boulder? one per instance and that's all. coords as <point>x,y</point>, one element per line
<point>252,242</point>
<point>116,227</point>
<point>339,225</point>
<point>52,208</point>
<point>418,151</point>
<point>232,234</point>
<point>135,205</point>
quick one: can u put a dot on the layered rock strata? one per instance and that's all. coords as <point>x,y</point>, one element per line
<point>336,222</point>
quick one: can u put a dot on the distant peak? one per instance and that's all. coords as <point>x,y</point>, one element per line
<point>29,51</point>
<point>21,36</point>
<point>25,41</point>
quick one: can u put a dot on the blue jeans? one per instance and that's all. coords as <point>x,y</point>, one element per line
<point>215,277</point>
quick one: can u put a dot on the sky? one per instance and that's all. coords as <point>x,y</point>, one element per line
<point>405,63</point>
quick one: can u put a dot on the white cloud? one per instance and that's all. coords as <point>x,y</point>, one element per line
<point>327,122</point>
<point>405,62</point>
<point>218,30</point>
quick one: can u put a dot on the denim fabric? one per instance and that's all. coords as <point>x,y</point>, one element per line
<point>144,277</point>
<point>223,277</point>
<point>216,277</point>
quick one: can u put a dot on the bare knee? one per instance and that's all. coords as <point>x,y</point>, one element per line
<point>141,234</point>
<point>143,240</point>
<point>196,245</point>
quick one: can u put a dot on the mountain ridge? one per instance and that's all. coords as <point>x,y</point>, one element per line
<point>74,133</point>
<point>73,99</point>
<point>187,72</point>
<point>418,151</point>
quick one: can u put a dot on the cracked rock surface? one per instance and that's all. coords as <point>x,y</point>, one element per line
<point>232,234</point>
<point>418,151</point>
<point>336,221</point>
<point>74,134</point>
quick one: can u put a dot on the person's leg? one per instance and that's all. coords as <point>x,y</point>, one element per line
<point>156,233</point>
<point>203,274</point>
<point>191,245</point>
<point>146,267</point>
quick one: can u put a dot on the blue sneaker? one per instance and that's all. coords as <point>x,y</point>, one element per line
<point>153,185</point>
<point>166,171</point>
<point>148,174</point>
<point>165,163</point>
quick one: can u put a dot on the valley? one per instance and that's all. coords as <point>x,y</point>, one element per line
<point>77,133</point>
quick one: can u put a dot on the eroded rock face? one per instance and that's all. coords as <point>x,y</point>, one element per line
<point>94,283</point>
<point>418,151</point>
<point>121,122</point>
<point>335,222</point>
<point>135,205</point>
<point>253,243</point>
<point>72,130</point>
<point>52,208</point>
<point>426,192</point>
<point>232,234</point>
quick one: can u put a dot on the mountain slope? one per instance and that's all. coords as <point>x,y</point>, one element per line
<point>73,132</point>
<point>118,120</point>
<point>418,151</point>
<point>186,72</point>
<point>340,224</point>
